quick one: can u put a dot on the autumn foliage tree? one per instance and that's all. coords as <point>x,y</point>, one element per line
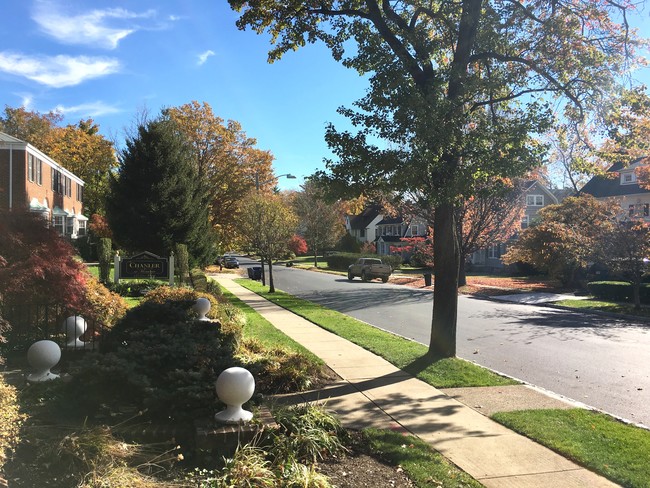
<point>565,237</point>
<point>625,250</point>
<point>492,215</point>
<point>227,162</point>
<point>267,225</point>
<point>37,266</point>
<point>457,89</point>
<point>79,148</point>
<point>298,245</point>
<point>321,222</point>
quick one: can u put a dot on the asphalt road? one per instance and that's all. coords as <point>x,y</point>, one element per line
<point>600,361</point>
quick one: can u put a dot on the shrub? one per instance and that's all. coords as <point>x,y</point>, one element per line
<point>199,280</point>
<point>617,291</point>
<point>105,256</point>
<point>36,264</point>
<point>10,419</point>
<point>103,307</point>
<point>157,358</point>
<point>277,370</point>
<point>349,243</point>
<point>182,263</point>
<point>135,288</point>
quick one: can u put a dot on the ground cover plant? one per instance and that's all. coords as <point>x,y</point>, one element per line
<point>597,441</point>
<point>407,355</point>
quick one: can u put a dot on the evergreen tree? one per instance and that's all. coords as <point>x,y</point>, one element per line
<point>155,200</point>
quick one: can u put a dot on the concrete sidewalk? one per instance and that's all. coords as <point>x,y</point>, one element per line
<point>374,393</point>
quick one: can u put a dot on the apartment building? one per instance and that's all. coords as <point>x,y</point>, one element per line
<point>31,180</point>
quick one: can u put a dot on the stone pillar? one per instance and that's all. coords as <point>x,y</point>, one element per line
<point>116,268</point>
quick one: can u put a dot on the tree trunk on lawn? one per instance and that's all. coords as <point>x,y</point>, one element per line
<point>271,285</point>
<point>445,290</point>
<point>315,256</point>
<point>263,276</point>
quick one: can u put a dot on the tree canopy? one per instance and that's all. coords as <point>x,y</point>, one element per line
<point>155,200</point>
<point>79,148</point>
<point>227,162</point>
<point>457,91</point>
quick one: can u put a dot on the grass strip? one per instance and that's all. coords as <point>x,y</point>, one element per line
<point>425,466</point>
<point>597,441</point>
<point>603,306</point>
<point>261,329</point>
<point>405,354</point>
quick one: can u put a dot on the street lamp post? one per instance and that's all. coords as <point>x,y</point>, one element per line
<point>258,184</point>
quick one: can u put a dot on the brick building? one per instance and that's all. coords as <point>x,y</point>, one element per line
<point>31,180</point>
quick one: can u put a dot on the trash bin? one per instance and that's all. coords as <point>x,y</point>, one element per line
<point>255,273</point>
<point>427,279</point>
<point>250,273</point>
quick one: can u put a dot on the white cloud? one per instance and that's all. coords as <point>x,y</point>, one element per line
<point>27,100</point>
<point>96,28</point>
<point>203,57</point>
<point>93,109</point>
<point>57,71</point>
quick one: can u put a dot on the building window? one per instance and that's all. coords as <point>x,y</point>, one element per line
<point>415,230</point>
<point>646,209</point>
<point>524,222</point>
<point>30,167</point>
<point>39,171</point>
<point>82,228</point>
<point>628,178</point>
<point>362,233</point>
<point>57,181</point>
<point>69,226</point>
<point>80,193</point>
<point>535,200</point>
<point>631,210</point>
<point>57,223</point>
<point>494,252</point>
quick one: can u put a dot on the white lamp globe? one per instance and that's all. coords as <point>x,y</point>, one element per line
<point>42,356</point>
<point>74,326</point>
<point>234,386</point>
<point>202,307</point>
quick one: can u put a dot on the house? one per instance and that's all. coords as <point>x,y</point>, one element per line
<point>31,180</point>
<point>391,230</point>
<point>536,196</point>
<point>372,225</point>
<point>363,226</point>
<point>621,183</point>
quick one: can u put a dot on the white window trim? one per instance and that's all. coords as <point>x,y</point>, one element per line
<point>625,181</point>
<point>532,200</point>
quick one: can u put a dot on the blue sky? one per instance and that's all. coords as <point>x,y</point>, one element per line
<point>109,60</point>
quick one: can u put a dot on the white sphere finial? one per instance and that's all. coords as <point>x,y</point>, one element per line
<point>202,307</point>
<point>42,356</point>
<point>75,326</point>
<point>235,386</point>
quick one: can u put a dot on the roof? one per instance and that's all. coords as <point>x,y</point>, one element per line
<point>7,138</point>
<point>391,220</point>
<point>362,220</point>
<point>602,186</point>
<point>390,238</point>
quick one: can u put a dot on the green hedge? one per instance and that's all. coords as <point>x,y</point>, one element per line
<point>617,291</point>
<point>341,261</point>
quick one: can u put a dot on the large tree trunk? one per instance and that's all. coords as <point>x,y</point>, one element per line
<point>445,289</point>
<point>636,294</point>
<point>263,277</point>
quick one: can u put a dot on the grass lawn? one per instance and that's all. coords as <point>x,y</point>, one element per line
<point>614,307</point>
<point>425,466</point>
<point>614,449</point>
<point>407,355</point>
<point>261,329</point>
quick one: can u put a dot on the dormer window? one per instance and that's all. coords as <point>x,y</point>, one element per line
<point>628,178</point>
